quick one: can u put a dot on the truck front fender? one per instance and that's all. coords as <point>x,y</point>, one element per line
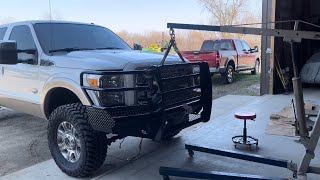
<point>59,82</point>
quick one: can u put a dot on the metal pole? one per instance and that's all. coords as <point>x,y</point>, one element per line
<point>245,131</point>
<point>298,93</point>
<point>301,117</point>
<point>310,148</point>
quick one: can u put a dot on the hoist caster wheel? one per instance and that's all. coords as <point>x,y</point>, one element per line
<point>295,176</point>
<point>166,178</point>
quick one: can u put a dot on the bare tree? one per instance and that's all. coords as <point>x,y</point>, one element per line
<point>225,12</point>
<point>232,12</point>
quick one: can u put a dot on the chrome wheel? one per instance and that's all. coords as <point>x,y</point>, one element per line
<point>257,67</point>
<point>230,75</point>
<point>68,142</point>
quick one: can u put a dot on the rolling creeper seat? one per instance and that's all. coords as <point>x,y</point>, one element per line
<point>245,139</point>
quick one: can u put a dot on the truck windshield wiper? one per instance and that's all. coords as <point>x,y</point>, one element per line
<point>80,49</point>
<point>70,49</point>
<point>107,48</point>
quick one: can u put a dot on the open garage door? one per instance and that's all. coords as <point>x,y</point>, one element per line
<point>278,65</point>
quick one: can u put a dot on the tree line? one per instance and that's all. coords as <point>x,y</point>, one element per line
<point>223,12</point>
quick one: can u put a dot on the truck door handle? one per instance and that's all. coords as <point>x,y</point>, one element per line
<point>34,91</point>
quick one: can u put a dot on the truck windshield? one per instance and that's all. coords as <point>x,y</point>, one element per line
<point>217,45</point>
<point>67,37</point>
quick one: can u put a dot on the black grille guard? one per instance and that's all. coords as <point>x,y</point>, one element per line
<point>205,86</point>
<point>203,101</point>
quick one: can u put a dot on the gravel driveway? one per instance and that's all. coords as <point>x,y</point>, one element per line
<point>23,138</point>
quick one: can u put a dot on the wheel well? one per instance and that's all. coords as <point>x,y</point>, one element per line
<point>57,97</point>
<point>231,62</point>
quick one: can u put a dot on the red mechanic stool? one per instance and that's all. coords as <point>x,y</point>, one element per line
<point>245,139</point>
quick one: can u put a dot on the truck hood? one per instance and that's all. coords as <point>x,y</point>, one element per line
<point>107,59</point>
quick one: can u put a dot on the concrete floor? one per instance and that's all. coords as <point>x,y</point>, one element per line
<point>216,134</point>
<point>23,141</point>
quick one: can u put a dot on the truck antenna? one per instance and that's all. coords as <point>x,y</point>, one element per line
<point>50,10</point>
<point>51,28</point>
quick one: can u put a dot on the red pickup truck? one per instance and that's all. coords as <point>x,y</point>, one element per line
<point>226,56</point>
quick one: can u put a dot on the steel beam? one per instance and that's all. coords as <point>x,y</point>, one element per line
<point>166,172</point>
<point>231,154</point>
<point>310,148</point>
<point>295,36</point>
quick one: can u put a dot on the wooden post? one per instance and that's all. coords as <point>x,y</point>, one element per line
<point>267,43</point>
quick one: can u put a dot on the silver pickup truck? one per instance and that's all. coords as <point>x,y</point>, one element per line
<point>94,89</point>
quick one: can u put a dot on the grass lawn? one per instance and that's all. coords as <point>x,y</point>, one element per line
<point>244,84</point>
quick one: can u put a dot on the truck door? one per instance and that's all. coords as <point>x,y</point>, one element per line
<point>249,57</point>
<point>241,55</point>
<point>19,83</point>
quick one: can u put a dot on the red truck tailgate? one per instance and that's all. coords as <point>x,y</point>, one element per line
<point>195,56</point>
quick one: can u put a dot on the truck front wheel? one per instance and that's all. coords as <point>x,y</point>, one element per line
<point>76,148</point>
<point>227,77</point>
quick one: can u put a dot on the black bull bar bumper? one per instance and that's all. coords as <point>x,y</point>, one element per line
<point>184,98</point>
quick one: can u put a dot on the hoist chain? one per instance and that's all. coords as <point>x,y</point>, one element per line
<point>173,44</point>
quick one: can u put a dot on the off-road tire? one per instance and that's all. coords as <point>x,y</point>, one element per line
<point>225,77</point>
<point>256,68</point>
<point>93,144</point>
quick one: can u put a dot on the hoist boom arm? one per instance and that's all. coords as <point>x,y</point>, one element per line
<point>288,35</point>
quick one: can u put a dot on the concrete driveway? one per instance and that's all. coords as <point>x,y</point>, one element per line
<point>23,139</point>
<point>216,134</point>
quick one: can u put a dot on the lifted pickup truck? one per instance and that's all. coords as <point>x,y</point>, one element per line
<point>94,89</point>
<point>226,56</point>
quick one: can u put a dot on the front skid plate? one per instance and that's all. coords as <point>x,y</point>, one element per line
<point>144,124</point>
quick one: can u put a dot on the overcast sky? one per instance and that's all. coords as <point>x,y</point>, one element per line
<point>130,15</point>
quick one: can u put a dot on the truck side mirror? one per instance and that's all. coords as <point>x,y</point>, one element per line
<point>254,50</point>
<point>8,52</point>
<point>137,47</point>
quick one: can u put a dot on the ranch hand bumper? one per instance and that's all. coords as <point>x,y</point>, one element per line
<point>181,98</point>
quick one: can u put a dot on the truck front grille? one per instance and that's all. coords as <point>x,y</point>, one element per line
<point>176,83</point>
<point>179,83</point>
<point>145,97</point>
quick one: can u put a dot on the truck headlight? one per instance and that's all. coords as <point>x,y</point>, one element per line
<point>106,98</point>
<point>93,80</point>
